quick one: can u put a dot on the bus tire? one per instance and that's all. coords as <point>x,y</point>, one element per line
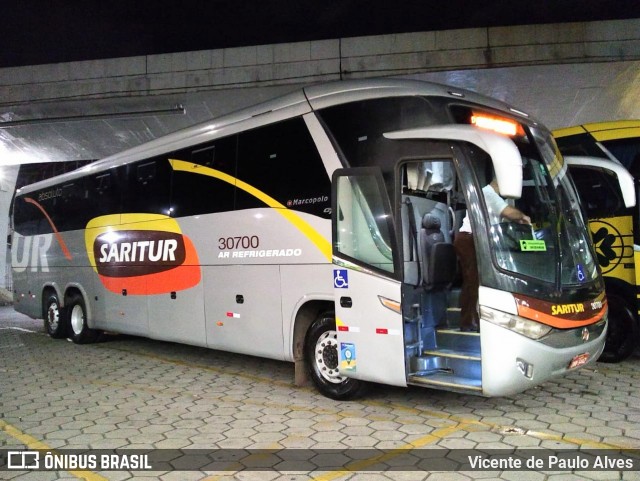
<point>622,331</point>
<point>321,351</point>
<point>54,317</point>
<point>77,319</point>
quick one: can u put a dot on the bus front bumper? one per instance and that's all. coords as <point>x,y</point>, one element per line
<point>513,363</point>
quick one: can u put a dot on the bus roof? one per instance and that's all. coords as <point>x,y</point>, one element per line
<point>302,101</point>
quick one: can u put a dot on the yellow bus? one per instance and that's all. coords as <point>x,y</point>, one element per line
<point>607,180</point>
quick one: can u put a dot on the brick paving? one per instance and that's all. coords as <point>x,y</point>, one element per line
<point>132,393</point>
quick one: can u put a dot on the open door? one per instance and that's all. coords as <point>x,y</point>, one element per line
<point>366,279</point>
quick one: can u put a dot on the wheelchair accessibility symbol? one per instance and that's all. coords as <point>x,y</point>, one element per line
<point>580,273</point>
<point>340,278</point>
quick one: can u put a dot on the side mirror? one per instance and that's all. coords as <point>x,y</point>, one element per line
<point>507,162</point>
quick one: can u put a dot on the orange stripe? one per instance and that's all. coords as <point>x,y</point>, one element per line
<point>59,238</point>
<point>558,322</point>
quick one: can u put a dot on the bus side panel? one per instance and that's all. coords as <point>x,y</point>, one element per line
<point>301,284</point>
<point>124,313</point>
<point>178,316</point>
<point>613,237</point>
<point>371,333</point>
<point>243,309</point>
<point>48,260</point>
<point>23,301</point>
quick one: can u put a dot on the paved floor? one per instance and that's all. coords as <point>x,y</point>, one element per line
<point>134,393</point>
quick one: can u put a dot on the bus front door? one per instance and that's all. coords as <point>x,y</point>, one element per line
<point>366,277</point>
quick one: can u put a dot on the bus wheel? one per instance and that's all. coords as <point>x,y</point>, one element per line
<point>54,319</point>
<point>321,351</point>
<point>80,331</point>
<point>621,333</point>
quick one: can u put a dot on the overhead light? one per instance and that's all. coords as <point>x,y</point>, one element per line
<point>499,124</point>
<point>177,109</point>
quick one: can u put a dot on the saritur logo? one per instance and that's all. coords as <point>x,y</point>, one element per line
<point>141,253</point>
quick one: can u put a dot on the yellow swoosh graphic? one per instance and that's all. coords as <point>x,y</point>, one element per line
<point>303,226</point>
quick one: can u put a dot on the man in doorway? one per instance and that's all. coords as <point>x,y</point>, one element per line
<point>465,249</point>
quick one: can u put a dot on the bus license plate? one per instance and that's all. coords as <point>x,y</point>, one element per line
<point>579,360</point>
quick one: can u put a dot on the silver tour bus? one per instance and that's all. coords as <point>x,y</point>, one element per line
<point>318,228</point>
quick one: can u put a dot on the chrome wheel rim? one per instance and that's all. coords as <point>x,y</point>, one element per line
<point>53,316</point>
<point>326,357</point>
<point>77,319</point>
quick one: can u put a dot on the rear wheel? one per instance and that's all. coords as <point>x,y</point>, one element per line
<point>77,314</point>
<point>54,319</point>
<point>622,331</point>
<point>321,351</point>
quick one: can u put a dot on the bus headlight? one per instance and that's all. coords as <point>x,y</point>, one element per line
<point>526,327</point>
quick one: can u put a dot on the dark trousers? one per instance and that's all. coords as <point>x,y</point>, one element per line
<point>466,251</point>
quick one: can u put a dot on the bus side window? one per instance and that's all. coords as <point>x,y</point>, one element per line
<point>281,160</point>
<point>70,212</point>
<point>204,156</point>
<point>580,144</point>
<point>103,182</point>
<point>627,151</point>
<point>148,186</point>
<point>204,190</point>
<point>599,191</point>
<point>103,195</point>
<point>26,218</point>
<point>146,172</point>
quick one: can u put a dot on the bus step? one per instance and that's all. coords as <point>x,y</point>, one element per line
<point>449,331</point>
<point>455,340</point>
<point>442,370</point>
<point>470,367</point>
<point>446,380</point>
<point>454,354</point>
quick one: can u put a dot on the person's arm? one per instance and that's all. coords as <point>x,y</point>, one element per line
<point>515,215</point>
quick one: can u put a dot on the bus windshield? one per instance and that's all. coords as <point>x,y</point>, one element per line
<point>553,248</point>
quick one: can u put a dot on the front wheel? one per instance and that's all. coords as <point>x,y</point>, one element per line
<point>321,351</point>
<point>80,331</point>
<point>622,332</point>
<point>54,319</point>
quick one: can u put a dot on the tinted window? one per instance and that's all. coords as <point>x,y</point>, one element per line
<point>581,144</point>
<point>27,217</point>
<point>62,203</point>
<point>148,187</point>
<point>599,191</point>
<point>627,151</point>
<point>201,190</point>
<point>71,207</point>
<point>281,161</point>
<point>358,127</point>
<point>103,194</point>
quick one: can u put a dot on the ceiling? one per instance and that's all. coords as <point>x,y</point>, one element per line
<point>94,129</point>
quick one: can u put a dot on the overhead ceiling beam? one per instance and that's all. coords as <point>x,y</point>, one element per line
<point>178,109</point>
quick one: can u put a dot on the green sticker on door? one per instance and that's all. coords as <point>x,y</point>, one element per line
<point>533,245</point>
